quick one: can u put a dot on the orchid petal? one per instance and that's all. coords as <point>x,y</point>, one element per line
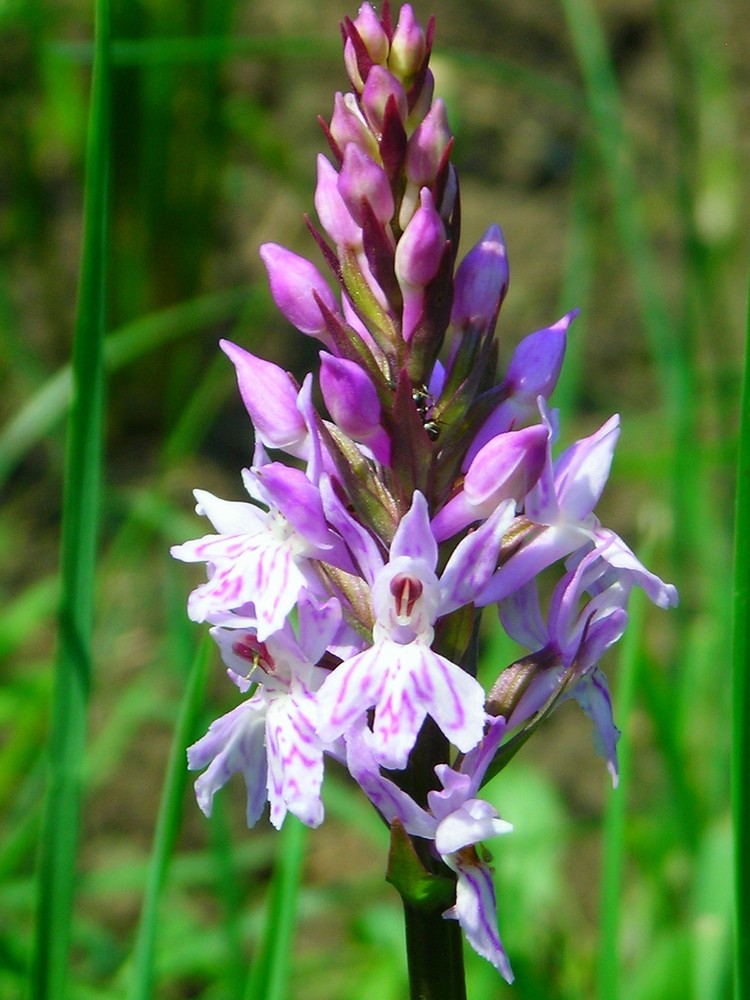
<point>234,742</point>
<point>414,536</point>
<point>476,912</point>
<point>475,820</point>
<point>419,683</point>
<point>295,758</point>
<point>582,470</point>
<point>592,694</point>
<point>474,560</point>
<point>352,688</point>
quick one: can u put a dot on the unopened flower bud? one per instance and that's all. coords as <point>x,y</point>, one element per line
<point>481,283</point>
<point>418,256</point>
<point>427,145</point>
<point>348,125</point>
<point>371,32</point>
<point>294,284</point>
<point>408,47</point>
<point>380,86</point>
<point>366,45</point>
<point>332,211</point>
<point>361,178</point>
<point>422,103</point>
<point>270,397</point>
<point>420,248</point>
<point>532,374</point>
<point>353,403</point>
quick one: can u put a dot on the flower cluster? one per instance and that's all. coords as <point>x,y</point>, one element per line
<point>345,597</point>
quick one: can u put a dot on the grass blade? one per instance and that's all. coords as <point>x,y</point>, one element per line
<point>741,695</point>
<point>56,871</point>
<point>613,846</point>
<point>125,345</point>
<point>605,112</point>
<point>270,971</point>
<point>167,824</point>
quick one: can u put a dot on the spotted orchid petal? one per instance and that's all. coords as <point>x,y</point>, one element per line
<point>295,757</point>
<point>234,743</point>
<point>592,694</point>
<point>405,683</point>
<point>257,569</point>
<point>476,910</point>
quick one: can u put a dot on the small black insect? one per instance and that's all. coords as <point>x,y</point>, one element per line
<point>425,403</point>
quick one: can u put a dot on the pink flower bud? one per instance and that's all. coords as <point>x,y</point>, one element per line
<point>294,283</point>
<point>418,256</point>
<point>507,467</point>
<point>532,373</point>
<point>408,47</point>
<point>420,248</point>
<point>366,44</point>
<point>423,102</point>
<point>362,178</point>
<point>332,211</point>
<point>379,87</point>
<point>427,145</point>
<point>371,32</point>
<point>270,397</point>
<point>481,282</point>
<point>353,403</point>
<point>348,125</point>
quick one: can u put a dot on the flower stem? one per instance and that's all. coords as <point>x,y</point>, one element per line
<point>435,956</point>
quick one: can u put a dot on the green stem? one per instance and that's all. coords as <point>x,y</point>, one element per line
<point>434,945</point>
<point>434,949</point>
<point>269,973</point>
<point>167,828</point>
<point>741,695</point>
<point>59,837</point>
<point>613,862</point>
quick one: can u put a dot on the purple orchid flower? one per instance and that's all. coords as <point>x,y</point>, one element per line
<point>400,674</point>
<point>259,556</point>
<point>428,493</point>
<point>456,822</point>
<point>570,645</point>
<point>270,738</point>
<point>561,503</point>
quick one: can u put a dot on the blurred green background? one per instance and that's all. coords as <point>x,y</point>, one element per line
<point>606,140</point>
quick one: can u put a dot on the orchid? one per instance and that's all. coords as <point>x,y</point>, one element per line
<point>455,822</point>
<point>400,673</point>
<point>271,738</point>
<point>350,591</point>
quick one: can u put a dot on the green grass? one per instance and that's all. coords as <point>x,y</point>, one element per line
<point>58,842</point>
<point>609,152</point>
